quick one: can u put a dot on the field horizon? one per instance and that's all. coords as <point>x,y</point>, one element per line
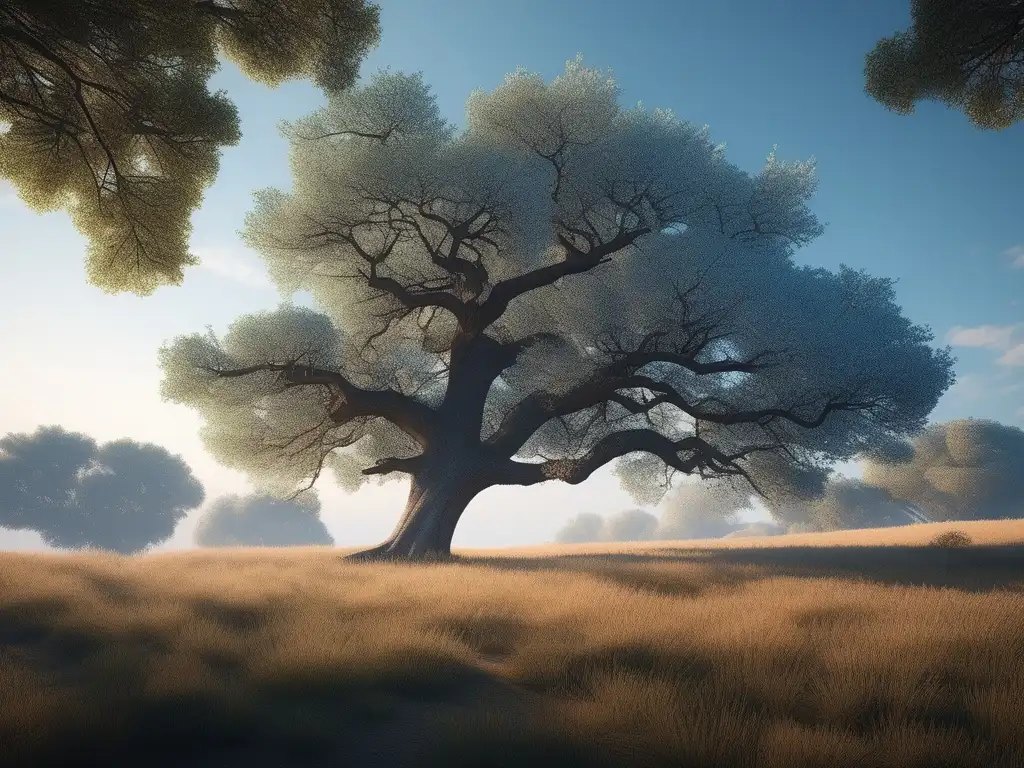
<point>855,648</point>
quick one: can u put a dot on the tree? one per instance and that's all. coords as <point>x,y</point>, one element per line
<point>122,496</point>
<point>631,525</point>
<point>581,529</point>
<point>561,285</point>
<point>849,503</point>
<point>262,521</point>
<point>700,511</point>
<point>966,469</point>
<point>968,54</point>
<point>628,525</point>
<point>109,115</point>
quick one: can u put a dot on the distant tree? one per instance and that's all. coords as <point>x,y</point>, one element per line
<point>849,503</point>
<point>122,496</point>
<point>584,527</point>
<point>691,511</point>
<point>968,54</point>
<point>965,469</point>
<point>628,525</point>
<point>109,115</point>
<point>562,285</point>
<point>262,521</point>
<point>699,511</point>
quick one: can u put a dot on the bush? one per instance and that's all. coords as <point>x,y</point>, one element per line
<point>952,539</point>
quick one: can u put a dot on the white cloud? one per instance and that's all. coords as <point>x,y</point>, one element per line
<point>234,263</point>
<point>988,336</point>
<point>1016,254</point>
<point>1013,356</point>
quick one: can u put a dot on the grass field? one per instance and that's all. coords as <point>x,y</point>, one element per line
<point>857,649</point>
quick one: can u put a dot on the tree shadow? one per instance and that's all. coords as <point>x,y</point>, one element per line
<point>979,568</point>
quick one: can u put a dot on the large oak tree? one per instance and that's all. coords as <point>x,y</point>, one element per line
<point>968,54</point>
<point>562,284</point>
<point>105,112</point>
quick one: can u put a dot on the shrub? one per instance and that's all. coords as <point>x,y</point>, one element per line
<point>951,539</point>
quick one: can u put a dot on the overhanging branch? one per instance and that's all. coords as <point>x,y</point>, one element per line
<point>412,417</point>
<point>536,410</point>
<point>387,466</point>
<point>618,444</point>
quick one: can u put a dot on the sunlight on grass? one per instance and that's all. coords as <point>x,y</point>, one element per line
<point>868,655</point>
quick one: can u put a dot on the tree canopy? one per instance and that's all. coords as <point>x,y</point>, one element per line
<point>966,469</point>
<point>582,528</point>
<point>563,284</point>
<point>691,511</point>
<point>122,496</point>
<point>849,503</point>
<point>262,521</point>
<point>968,54</point>
<point>628,525</point>
<point>701,511</point>
<point>108,114</point>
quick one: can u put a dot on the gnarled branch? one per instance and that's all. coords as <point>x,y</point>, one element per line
<point>411,416</point>
<point>574,471</point>
<point>575,262</point>
<point>536,410</point>
<point>393,464</point>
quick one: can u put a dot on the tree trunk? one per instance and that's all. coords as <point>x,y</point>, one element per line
<point>438,496</point>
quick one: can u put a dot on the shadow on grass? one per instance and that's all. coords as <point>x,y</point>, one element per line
<point>980,568</point>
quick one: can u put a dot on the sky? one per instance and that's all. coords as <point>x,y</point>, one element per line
<point>927,199</point>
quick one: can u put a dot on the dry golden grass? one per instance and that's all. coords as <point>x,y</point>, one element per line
<point>783,652</point>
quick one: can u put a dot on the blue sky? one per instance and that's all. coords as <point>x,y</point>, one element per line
<point>927,199</point>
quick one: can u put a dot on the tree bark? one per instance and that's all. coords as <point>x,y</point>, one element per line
<point>438,497</point>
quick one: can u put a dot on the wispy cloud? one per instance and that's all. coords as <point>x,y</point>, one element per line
<point>987,336</point>
<point>1016,255</point>
<point>234,263</point>
<point>1013,356</point>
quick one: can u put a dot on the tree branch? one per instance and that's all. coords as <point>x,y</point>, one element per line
<point>412,417</point>
<point>534,411</point>
<point>387,466</point>
<point>618,444</point>
<point>575,262</point>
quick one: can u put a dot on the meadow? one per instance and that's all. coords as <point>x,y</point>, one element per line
<point>861,648</point>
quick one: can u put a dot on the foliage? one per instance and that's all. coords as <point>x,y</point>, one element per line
<point>968,54</point>
<point>845,504</point>
<point>109,115</point>
<point>581,528</point>
<point>951,539</point>
<point>700,511</point>
<point>965,469</point>
<point>122,496</point>
<point>628,525</point>
<point>262,521</point>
